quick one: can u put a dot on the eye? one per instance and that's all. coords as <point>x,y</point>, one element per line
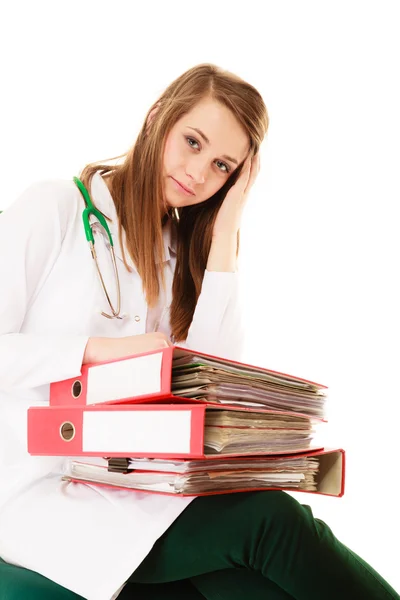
<point>189,139</point>
<point>227,169</point>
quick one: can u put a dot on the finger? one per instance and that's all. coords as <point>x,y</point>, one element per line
<point>243,178</point>
<point>253,172</point>
<point>256,167</point>
<point>246,164</point>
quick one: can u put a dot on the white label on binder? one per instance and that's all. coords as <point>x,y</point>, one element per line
<point>124,378</point>
<point>136,431</point>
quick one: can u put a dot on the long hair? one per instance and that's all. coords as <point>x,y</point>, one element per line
<point>137,195</point>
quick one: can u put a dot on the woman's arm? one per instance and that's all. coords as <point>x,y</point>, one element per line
<point>100,349</point>
<point>217,327</point>
<point>31,233</point>
<point>222,256</point>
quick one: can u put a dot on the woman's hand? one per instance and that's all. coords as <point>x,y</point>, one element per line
<point>229,215</point>
<point>102,349</point>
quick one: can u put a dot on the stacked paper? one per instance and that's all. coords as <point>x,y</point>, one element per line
<point>177,421</point>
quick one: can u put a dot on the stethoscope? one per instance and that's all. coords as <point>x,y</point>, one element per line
<point>92,210</point>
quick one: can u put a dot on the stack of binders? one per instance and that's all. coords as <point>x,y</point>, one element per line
<point>181,422</point>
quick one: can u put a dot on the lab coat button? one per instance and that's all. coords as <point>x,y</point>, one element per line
<point>137,318</point>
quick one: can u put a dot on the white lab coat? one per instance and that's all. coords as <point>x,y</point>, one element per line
<point>85,538</point>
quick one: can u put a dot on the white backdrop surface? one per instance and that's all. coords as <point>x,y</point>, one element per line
<point>320,244</point>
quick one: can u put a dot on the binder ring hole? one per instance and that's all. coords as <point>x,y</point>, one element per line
<point>76,389</point>
<point>67,431</point>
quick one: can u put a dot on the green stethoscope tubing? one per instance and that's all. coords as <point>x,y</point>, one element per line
<point>92,210</point>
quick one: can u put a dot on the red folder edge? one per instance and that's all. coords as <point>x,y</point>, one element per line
<point>61,390</point>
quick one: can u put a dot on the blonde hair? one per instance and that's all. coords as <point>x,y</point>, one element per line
<point>137,196</point>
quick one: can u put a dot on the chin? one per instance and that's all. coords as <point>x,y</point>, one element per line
<point>174,202</point>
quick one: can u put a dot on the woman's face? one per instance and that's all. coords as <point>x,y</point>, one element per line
<point>201,151</point>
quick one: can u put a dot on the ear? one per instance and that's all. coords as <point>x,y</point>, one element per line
<point>151,116</point>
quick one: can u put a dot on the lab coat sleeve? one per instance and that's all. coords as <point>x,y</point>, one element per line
<point>31,234</point>
<point>217,327</point>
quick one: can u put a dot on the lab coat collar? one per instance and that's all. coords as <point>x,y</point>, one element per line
<point>102,199</point>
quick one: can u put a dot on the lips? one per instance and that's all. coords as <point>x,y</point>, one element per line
<point>188,190</point>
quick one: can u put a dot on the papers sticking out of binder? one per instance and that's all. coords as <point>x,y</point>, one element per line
<point>216,380</point>
<point>321,472</point>
<point>174,373</point>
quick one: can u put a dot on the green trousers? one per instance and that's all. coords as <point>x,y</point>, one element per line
<point>258,546</point>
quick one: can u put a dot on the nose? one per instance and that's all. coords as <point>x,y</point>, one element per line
<point>196,170</point>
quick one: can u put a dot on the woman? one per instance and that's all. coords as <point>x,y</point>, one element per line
<point>174,208</point>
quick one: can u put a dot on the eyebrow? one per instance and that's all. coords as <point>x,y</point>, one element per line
<point>207,141</point>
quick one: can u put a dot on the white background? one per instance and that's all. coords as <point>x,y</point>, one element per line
<point>319,258</point>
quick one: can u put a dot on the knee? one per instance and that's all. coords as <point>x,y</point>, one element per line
<point>276,509</point>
